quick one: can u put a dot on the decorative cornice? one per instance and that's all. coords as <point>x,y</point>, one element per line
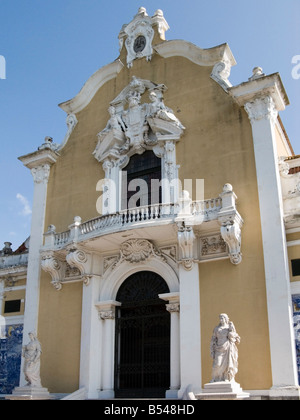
<point>91,87</point>
<point>42,158</point>
<point>262,87</point>
<point>202,57</point>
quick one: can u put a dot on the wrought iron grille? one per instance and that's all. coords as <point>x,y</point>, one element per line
<point>142,363</point>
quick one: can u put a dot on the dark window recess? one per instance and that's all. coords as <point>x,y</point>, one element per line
<point>12,306</point>
<point>296,267</point>
<point>146,167</point>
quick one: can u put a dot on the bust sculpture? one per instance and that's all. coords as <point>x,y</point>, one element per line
<point>224,351</point>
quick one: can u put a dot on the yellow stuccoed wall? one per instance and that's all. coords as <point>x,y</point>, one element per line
<point>216,146</point>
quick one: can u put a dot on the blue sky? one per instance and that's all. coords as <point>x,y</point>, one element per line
<point>51,47</point>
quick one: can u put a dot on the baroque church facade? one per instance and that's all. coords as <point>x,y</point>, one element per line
<point>173,197</point>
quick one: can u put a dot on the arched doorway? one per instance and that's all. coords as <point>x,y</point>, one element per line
<point>142,355</point>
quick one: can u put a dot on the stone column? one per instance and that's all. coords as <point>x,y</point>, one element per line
<point>39,163</point>
<point>107,316</point>
<point>174,308</point>
<point>190,329</point>
<point>90,354</point>
<point>263,113</point>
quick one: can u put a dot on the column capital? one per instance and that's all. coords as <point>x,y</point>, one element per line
<point>40,163</point>
<point>263,97</point>
<point>261,108</point>
<point>106,309</point>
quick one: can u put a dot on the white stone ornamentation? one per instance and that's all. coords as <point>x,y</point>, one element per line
<point>262,108</point>
<point>186,239</point>
<point>52,265</point>
<point>231,224</point>
<point>134,127</point>
<point>221,73</point>
<point>41,174</point>
<point>138,250</point>
<point>139,34</point>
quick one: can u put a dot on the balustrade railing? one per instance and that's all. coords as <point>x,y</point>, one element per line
<point>138,216</point>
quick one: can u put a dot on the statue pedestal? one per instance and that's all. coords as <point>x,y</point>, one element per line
<point>222,391</point>
<point>29,393</point>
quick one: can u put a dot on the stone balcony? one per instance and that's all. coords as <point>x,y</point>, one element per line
<point>136,218</point>
<point>186,233</point>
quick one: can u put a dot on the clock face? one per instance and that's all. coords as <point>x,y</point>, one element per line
<point>139,44</point>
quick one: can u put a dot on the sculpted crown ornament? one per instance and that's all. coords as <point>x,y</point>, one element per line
<point>133,126</point>
<point>139,34</point>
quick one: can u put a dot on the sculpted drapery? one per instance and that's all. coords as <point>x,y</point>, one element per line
<point>224,351</point>
<point>32,354</point>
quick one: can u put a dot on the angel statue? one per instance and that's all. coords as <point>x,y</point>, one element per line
<point>224,351</point>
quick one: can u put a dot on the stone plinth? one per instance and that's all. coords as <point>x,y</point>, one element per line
<point>222,391</point>
<point>29,393</point>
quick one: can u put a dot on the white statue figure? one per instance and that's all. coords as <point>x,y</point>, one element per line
<point>224,351</point>
<point>32,354</point>
<point>158,109</point>
<point>115,122</point>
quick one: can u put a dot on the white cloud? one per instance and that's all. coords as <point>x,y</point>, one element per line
<point>26,211</point>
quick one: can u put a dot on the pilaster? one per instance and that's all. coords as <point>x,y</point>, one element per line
<point>262,99</point>
<point>173,307</point>
<point>39,163</point>
<point>107,311</point>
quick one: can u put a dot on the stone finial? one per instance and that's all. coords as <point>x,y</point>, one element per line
<point>257,73</point>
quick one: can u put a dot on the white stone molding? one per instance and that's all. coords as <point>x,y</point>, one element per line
<point>139,38</point>
<point>261,108</point>
<point>113,278</point>
<point>138,250</point>
<point>41,174</point>
<point>202,57</point>
<point>231,234</point>
<point>186,240</point>
<point>55,267</point>
<point>71,122</point>
<point>91,87</point>
<point>212,247</point>
<point>260,88</point>
<point>78,258</point>
<point>173,307</point>
<point>221,73</point>
<point>262,99</point>
<point>231,224</point>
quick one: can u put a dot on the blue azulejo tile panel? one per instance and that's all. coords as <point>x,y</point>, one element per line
<point>10,358</point>
<point>296,310</point>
